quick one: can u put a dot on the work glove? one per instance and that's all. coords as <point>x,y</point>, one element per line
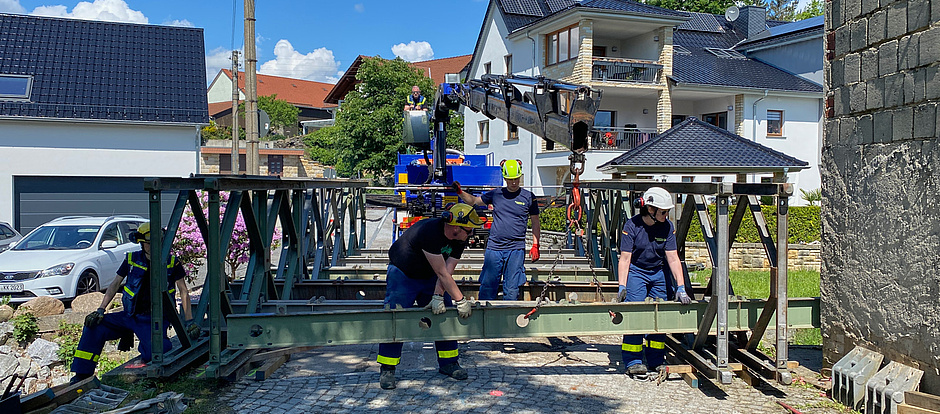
<point>456,187</point>
<point>94,318</point>
<point>193,330</point>
<point>622,294</point>
<point>534,252</point>
<point>681,296</point>
<point>463,308</point>
<point>437,304</point>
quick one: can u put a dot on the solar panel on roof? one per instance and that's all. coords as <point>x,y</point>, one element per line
<point>702,22</point>
<point>725,53</point>
<point>555,5</point>
<point>523,7</point>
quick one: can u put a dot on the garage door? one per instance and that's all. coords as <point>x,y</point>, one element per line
<point>38,200</point>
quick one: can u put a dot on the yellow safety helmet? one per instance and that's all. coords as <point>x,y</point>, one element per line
<point>511,169</point>
<point>462,215</point>
<point>142,233</point>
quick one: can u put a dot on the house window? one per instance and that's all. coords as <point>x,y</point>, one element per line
<point>774,123</point>
<point>484,127</point>
<point>717,178</point>
<point>718,119</point>
<point>225,163</point>
<point>508,60</point>
<point>599,51</point>
<point>275,164</point>
<point>562,45</point>
<point>512,132</point>
<point>487,68</point>
<point>15,86</point>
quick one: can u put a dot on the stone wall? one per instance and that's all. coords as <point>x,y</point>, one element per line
<point>751,256</point>
<point>880,167</point>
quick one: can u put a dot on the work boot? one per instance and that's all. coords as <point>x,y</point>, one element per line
<point>637,371</point>
<point>454,371</point>
<point>387,377</point>
<point>78,378</point>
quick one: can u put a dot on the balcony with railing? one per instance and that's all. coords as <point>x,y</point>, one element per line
<point>607,69</point>
<point>620,139</point>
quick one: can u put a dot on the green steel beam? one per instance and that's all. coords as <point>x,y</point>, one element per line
<point>493,320</point>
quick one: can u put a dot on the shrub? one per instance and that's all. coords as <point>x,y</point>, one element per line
<point>67,337</point>
<point>25,326</point>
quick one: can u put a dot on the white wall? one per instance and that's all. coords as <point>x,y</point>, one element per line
<point>221,89</point>
<point>630,110</point>
<point>85,149</point>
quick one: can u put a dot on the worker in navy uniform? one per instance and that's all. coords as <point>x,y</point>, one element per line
<point>647,255</point>
<point>416,101</point>
<point>504,258</point>
<point>134,319</point>
<point>420,273</point>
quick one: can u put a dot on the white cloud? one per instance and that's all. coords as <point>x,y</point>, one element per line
<point>106,10</point>
<point>218,59</point>
<point>414,51</point>
<point>319,65</point>
<point>359,7</point>
<point>11,6</point>
<point>179,23</point>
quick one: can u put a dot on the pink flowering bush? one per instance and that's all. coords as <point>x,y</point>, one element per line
<point>191,249</point>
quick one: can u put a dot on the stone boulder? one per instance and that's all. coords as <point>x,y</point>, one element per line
<point>6,313</point>
<point>87,303</point>
<point>8,365</point>
<point>43,352</point>
<point>42,306</point>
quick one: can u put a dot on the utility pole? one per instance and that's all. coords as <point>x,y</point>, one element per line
<point>234,112</point>
<point>251,93</point>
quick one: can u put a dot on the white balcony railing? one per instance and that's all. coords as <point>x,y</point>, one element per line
<point>625,70</point>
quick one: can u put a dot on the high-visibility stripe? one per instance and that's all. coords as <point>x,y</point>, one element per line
<point>447,354</point>
<point>128,290</point>
<point>631,348</point>
<point>655,344</point>
<point>172,291</point>
<point>388,361</point>
<point>86,355</point>
<point>133,263</point>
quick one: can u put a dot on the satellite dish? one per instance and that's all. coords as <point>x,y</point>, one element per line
<point>731,14</point>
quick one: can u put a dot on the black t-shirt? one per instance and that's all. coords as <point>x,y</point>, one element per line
<point>424,236</point>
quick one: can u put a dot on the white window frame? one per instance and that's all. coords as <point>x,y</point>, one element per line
<point>782,122</point>
<point>483,129</point>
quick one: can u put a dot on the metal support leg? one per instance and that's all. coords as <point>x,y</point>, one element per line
<point>783,374</point>
<point>214,286</point>
<point>720,285</point>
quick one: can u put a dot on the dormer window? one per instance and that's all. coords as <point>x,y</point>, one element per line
<point>15,87</point>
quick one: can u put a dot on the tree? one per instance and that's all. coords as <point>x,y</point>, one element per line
<point>700,6</point>
<point>813,197</point>
<point>321,145</point>
<point>813,9</point>
<point>783,10</point>
<point>283,115</point>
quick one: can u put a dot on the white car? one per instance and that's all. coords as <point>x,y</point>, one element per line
<point>67,257</point>
<point>8,236</point>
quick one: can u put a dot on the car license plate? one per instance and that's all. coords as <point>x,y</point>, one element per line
<point>11,287</point>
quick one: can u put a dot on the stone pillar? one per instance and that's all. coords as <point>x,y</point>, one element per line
<point>664,101</point>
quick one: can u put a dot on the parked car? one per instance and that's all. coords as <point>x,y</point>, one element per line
<point>67,257</point>
<point>8,236</point>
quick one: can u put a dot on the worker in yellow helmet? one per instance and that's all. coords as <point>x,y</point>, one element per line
<point>504,257</point>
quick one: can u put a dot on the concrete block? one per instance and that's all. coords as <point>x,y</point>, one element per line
<point>853,8</point>
<point>847,135</point>
<point>897,19</point>
<point>859,34</point>
<point>837,73</point>
<point>882,123</point>
<point>831,131</point>
<point>869,6</point>
<point>925,120</point>
<point>919,81</point>
<point>857,97</point>
<point>864,128</point>
<point>869,64</point>
<point>908,87</point>
<point>931,82</point>
<point>851,68</point>
<point>876,27</point>
<point>930,46</point>
<point>874,92</point>
<point>911,54</point>
<point>888,58</point>
<point>840,100</point>
<point>894,90</point>
<point>918,14</point>
<point>843,41</point>
<point>934,17</point>
<point>903,121</point>
<point>835,15</point>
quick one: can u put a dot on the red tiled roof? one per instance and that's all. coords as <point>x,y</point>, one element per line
<point>434,69</point>
<point>295,91</point>
<point>216,108</point>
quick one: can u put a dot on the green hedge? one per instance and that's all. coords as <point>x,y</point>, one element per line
<point>804,224</point>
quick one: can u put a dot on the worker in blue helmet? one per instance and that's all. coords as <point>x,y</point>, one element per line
<point>504,258</point>
<point>421,273</point>
<point>134,274</point>
<point>647,254</point>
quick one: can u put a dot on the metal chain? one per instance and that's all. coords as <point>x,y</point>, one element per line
<point>574,217</point>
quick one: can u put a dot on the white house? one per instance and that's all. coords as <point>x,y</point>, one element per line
<point>88,109</point>
<point>759,79</point>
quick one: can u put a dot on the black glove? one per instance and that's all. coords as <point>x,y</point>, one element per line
<point>622,294</point>
<point>456,187</point>
<point>193,330</point>
<point>94,318</point>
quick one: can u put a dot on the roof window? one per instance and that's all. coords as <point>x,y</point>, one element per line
<point>16,87</point>
<point>680,50</point>
<point>725,53</point>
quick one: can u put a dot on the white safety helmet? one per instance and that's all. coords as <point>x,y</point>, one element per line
<point>658,197</point>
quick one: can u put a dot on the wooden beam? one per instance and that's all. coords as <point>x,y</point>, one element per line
<point>922,400</point>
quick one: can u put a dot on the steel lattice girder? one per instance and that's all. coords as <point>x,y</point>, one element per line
<point>494,320</point>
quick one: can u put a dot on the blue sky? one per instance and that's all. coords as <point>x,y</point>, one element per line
<point>314,40</point>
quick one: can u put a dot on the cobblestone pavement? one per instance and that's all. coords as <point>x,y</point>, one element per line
<point>539,375</point>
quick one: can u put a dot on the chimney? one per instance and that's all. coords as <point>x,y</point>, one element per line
<point>751,21</point>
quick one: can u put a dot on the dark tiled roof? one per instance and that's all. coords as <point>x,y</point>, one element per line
<point>694,146</point>
<point>102,70</point>
<point>704,67</point>
<point>786,32</point>
<point>521,13</point>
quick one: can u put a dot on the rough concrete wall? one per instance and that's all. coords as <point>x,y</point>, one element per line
<point>881,182</point>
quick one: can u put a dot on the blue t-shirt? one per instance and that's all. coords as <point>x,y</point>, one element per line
<point>511,213</point>
<point>648,244</point>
